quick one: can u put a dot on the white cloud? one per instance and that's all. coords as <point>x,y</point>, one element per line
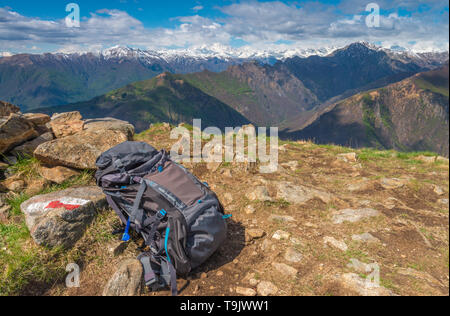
<point>260,24</point>
<point>197,8</point>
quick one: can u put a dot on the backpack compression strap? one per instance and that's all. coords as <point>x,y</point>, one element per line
<point>136,212</point>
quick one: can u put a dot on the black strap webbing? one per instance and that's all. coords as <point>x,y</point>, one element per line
<point>137,213</point>
<point>116,208</point>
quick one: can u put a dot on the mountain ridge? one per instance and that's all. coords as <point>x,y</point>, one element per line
<point>412,114</point>
<point>33,81</point>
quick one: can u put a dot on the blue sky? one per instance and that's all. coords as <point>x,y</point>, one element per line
<point>38,26</point>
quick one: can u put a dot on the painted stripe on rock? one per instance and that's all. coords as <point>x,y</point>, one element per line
<point>66,202</point>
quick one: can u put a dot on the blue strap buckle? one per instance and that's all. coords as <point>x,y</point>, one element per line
<point>126,235</point>
<point>161,214</point>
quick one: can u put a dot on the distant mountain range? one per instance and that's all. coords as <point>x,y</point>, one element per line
<point>359,95</point>
<point>34,81</point>
<point>411,115</point>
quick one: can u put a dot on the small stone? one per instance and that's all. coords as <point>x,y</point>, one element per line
<point>260,193</point>
<point>227,198</point>
<point>14,185</point>
<point>366,237</point>
<point>249,209</point>
<point>280,235</point>
<point>335,243</point>
<point>266,245</point>
<point>4,213</point>
<point>297,194</point>
<point>203,275</point>
<point>126,281</point>
<point>227,173</point>
<point>285,269</point>
<point>292,255</point>
<point>235,261</point>
<point>391,184</point>
<point>57,174</point>
<point>266,288</point>
<point>219,273</point>
<point>245,291</point>
<point>359,186</point>
<point>348,157</point>
<point>281,218</point>
<point>255,234</point>
<point>291,165</point>
<point>438,190</point>
<point>253,282</point>
<point>354,215</point>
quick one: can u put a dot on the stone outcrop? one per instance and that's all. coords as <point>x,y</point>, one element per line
<point>27,148</point>
<point>66,124</point>
<point>6,109</point>
<point>60,218</point>
<point>37,118</point>
<point>14,130</point>
<point>79,151</point>
<point>57,174</point>
<point>109,123</point>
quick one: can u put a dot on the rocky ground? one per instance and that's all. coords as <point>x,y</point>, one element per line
<point>324,224</point>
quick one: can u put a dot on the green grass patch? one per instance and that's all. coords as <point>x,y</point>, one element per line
<point>26,166</point>
<point>426,85</point>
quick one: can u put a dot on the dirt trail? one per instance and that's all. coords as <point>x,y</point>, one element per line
<point>407,238</point>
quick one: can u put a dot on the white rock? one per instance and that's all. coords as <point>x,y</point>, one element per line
<point>366,237</point>
<point>354,215</point>
<point>285,269</point>
<point>245,291</point>
<point>292,255</point>
<point>335,243</point>
<point>281,235</point>
<point>266,288</point>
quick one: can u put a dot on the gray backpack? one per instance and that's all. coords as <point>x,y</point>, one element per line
<point>179,217</point>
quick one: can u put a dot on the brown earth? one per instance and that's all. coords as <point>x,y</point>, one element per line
<point>412,227</point>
